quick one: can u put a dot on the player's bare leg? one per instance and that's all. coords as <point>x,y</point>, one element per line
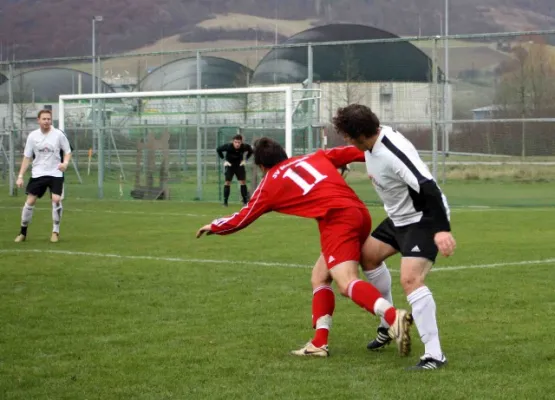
<point>368,297</point>
<point>374,254</point>
<point>56,217</point>
<point>26,217</point>
<point>413,274</point>
<point>323,306</point>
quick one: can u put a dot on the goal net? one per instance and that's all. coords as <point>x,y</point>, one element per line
<point>162,145</point>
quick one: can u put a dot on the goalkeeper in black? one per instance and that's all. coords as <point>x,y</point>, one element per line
<point>235,165</point>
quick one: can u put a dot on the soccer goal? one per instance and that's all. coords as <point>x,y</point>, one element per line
<point>162,144</point>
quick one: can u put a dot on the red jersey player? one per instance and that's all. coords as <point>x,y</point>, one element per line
<point>310,186</point>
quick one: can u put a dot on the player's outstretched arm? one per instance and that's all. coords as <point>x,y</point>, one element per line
<point>341,156</point>
<point>259,204</point>
<point>205,229</point>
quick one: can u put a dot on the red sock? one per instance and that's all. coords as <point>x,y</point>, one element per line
<point>390,315</point>
<point>364,294</point>
<point>323,303</point>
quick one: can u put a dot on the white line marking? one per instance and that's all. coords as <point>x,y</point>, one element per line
<point>152,258</point>
<point>257,263</point>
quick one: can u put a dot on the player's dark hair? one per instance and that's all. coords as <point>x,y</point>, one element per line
<point>44,112</point>
<point>356,120</point>
<point>268,153</point>
<point>238,137</point>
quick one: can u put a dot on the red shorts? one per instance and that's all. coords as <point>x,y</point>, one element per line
<point>342,234</point>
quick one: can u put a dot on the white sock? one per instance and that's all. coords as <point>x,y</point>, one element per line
<point>424,314</point>
<point>56,216</point>
<point>381,279</point>
<point>27,215</point>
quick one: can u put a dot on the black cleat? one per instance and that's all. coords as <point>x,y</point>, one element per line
<point>381,340</point>
<point>426,363</point>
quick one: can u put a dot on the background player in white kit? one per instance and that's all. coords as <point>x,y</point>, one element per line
<point>43,149</point>
<point>417,226</point>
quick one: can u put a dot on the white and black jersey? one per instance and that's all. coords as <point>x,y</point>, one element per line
<point>46,149</point>
<point>404,182</point>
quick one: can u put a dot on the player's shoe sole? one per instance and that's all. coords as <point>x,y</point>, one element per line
<point>312,351</point>
<point>20,238</point>
<point>400,332</point>
<point>55,237</point>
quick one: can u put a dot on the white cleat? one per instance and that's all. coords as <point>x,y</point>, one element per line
<point>20,238</point>
<point>400,331</point>
<point>55,237</point>
<point>310,350</point>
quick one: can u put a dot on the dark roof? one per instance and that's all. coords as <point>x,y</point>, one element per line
<point>46,84</point>
<point>181,74</point>
<point>3,78</point>
<point>394,61</point>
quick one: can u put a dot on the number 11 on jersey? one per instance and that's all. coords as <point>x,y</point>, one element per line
<point>299,181</point>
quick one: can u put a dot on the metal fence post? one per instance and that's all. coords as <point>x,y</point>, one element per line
<point>199,133</point>
<point>11,131</point>
<point>310,81</point>
<point>434,108</point>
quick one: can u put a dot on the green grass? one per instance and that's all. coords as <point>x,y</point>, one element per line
<point>86,325</point>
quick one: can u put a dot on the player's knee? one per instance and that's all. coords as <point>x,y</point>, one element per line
<point>31,200</point>
<point>411,282</point>
<point>227,183</point>
<point>370,262</point>
<point>56,198</point>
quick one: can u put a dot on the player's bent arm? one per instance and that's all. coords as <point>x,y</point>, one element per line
<point>220,150</point>
<point>435,206</point>
<point>249,152</point>
<point>341,156</point>
<point>422,182</point>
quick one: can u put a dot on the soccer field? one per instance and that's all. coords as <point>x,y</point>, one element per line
<point>129,305</point>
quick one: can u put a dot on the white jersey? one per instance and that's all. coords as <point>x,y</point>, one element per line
<point>397,172</point>
<point>45,148</point>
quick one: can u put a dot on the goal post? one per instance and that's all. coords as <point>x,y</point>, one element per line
<point>120,121</point>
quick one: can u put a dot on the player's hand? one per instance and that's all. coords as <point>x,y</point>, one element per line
<point>227,164</point>
<point>62,167</point>
<point>242,163</point>
<point>445,243</point>
<point>19,182</point>
<point>205,229</point>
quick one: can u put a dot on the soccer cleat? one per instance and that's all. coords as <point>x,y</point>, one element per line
<point>310,350</point>
<point>426,363</point>
<point>381,340</point>
<point>55,237</point>
<point>400,331</point>
<point>20,238</point>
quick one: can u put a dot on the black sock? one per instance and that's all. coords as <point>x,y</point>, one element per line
<point>244,193</point>
<point>23,231</point>
<point>227,190</point>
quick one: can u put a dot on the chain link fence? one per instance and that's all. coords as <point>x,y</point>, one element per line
<point>485,120</point>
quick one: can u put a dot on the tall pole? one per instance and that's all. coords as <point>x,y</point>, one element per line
<point>93,89</point>
<point>199,134</point>
<point>11,131</point>
<point>446,86</point>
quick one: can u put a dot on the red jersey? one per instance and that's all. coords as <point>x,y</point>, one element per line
<point>306,186</point>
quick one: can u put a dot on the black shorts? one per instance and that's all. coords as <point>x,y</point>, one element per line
<point>237,170</point>
<point>414,240</point>
<point>38,186</point>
